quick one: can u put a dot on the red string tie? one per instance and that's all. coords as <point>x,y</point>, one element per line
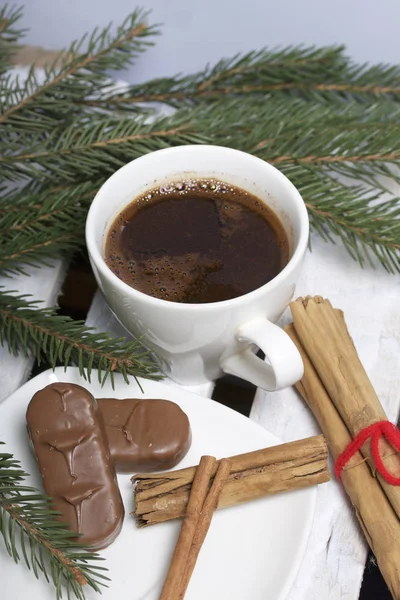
<point>375,431</point>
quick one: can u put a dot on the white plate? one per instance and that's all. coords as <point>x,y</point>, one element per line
<point>252,551</point>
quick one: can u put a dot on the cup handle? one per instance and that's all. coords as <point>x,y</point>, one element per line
<point>284,367</point>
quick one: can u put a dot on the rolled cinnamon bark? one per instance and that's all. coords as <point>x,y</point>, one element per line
<point>372,508</point>
<point>164,496</point>
<point>175,581</point>
<point>203,524</point>
<point>324,336</point>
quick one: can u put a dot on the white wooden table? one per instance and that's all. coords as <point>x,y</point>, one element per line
<point>334,562</point>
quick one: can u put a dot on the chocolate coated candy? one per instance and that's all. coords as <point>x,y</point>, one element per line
<point>69,439</point>
<point>145,435</point>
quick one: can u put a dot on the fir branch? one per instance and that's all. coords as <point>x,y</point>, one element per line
<point>283,133</point>
<point>270,130</point>
<point>347,139</point>
<point>250,73</point>
<point>82,73</point>
<point>369,229</point>
<point>9,35</point>
<point>30,210</point>
<point>331,159</point>
<point>60,340</point>
<point>24,508</point>
<point>23,220</point>
<point>99,145</point>
<point>55,228</point>
<point>316,75</point>
<point>38,225</point>
<point>290,62</point>
<point>39,248</point>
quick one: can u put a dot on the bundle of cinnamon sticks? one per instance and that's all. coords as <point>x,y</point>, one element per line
<point>339,393</point>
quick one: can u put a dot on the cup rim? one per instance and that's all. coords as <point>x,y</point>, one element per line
<point>123,287</point>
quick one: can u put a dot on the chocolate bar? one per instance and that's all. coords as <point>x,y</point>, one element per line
<point>68,436</point>
<point>145,435</point>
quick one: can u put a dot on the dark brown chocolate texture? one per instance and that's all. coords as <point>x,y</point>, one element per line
<point>145,435</point>
<point>69,439</point>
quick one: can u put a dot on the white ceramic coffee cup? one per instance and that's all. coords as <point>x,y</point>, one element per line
<point>199,342</point>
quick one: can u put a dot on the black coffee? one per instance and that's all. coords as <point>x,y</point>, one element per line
<point>196,241</point>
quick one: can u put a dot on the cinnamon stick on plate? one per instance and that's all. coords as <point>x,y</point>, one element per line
<point>204,522</point>
<point>372,508</point>
<point>201,506</point>
<point>177,568</point>
<point>164,496</point>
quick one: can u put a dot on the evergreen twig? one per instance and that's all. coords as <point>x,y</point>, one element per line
<point>56,227</point>
<point>24,327</point>
<point>83,72</point>
<point>84,149</point>
<point>368,229</point>
<point>9,35</point>
<point>241,75</point>
<point>314,74</point>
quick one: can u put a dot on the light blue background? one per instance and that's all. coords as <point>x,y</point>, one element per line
<point>199,31</point>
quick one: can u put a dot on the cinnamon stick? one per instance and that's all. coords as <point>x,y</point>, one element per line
<point>372,508</point>
<point>201,482</point>
<point>204,522</point>
<point>164,496</point>
<point>323,333</point>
